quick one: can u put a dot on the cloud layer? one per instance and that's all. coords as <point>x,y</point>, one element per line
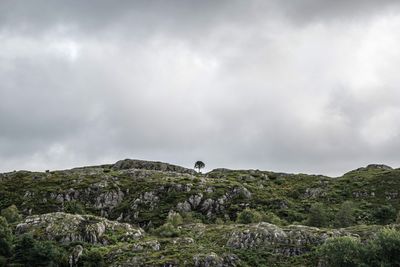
<point>310,86</point>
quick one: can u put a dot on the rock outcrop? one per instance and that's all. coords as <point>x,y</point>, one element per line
<point>67,228</point>
<point>212,206</point>
<point>213,260</point>
<point>75,255</point>
<point>150,165</point>
<point>289,241</point>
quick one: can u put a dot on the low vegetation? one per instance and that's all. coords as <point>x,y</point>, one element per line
<point>382,250</point>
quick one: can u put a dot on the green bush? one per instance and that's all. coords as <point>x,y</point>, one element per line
<point>383,250</point>
<point>11,214</point>
<point>175,219</point>
<point>167,230</point>
<point>341,252</point>
<point>31,252</point>
<point>271,217</point>
<point>255,257</point>
<point>74,207</point>
<point>93,258</point>
<point>345,216</point>
<point>219,221</point>
<point>3,261</point>
<point>317,216</point>
<point>249,216</point>
<point>191,217</point>
<point>386,248</point>
<point>385,214</point>
<point>5,238</point>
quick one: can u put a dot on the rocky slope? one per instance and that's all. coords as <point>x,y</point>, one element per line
<point>198,244</point>
<point>140,213</point>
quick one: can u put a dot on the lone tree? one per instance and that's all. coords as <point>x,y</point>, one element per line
<point>199,165</point>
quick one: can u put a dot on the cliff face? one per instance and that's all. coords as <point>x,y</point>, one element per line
<point>156,214</point>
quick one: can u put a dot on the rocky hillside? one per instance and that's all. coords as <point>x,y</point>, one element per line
<point>140,213</point>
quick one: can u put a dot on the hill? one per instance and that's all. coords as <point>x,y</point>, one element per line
<point>141,213</point>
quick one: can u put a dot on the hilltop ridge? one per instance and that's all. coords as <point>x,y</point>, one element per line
<point>127,163</point>
<point>182,218</point>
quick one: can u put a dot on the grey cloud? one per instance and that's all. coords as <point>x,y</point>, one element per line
<point>191,18</point>
<point>342,10</point>
<point>255,84</point>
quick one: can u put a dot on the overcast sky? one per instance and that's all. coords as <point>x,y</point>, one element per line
<point>307,86</point>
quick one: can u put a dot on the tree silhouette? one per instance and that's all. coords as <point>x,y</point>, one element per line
<point>199,165</point>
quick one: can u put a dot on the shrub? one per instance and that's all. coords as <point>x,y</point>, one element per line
<point>219,221</point>
<point>317,215</point>
<point>191,217</point>
<point>175,219</point>
<point>386,248</point>
<point>249,216</point>
<point>341,252</point>
<point>31,252</point>
<point>92,258</point>
<point>383,250</point>
<point>11,214</point>
<point>3,261</point>
<point>167,230</point>
<point>74,207</point>
<point>345,216</point>
<point>256,257</point>
<point>385,214</point>
<point>5,238</point>
<point>271,217</point>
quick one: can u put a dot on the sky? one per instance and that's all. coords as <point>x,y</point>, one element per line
<point>305,86</point>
